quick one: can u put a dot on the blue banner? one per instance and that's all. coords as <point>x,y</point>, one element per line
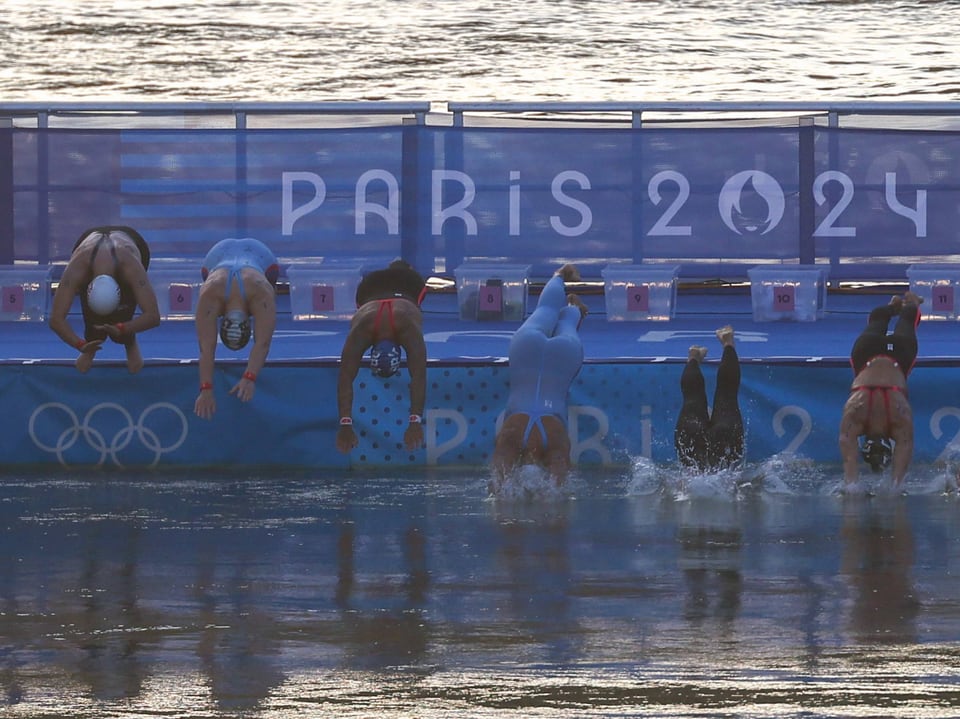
<point>439,195</point>
<point>617,413</point>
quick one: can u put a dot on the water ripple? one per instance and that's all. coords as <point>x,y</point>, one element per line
<point>422,49</point>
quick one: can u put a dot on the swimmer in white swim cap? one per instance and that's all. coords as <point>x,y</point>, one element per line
<point>103,295</point>
<point>108,270</point>
<point>237,301</point>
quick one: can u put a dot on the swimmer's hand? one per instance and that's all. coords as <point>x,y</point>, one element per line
<point>112,330</point>
<point>413,437</point>
<point>244,389</point>
<point>85,359</point>
<point>205,405</point>
<point>346,438</point>
<point>92,347</point>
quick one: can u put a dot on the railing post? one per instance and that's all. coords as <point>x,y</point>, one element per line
<point>6,191</point>
<point>806,250</point>
<point>43,189</point>
<point>240,142</point>
<point>415,245</point>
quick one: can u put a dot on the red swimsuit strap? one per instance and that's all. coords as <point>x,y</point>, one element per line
<point>377,323</point>
<point>871,388</point>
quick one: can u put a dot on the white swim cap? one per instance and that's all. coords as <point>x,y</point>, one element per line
<point>103,294</point>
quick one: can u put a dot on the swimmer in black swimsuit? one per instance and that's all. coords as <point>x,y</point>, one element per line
<point>121,253</point>
<point>710,442</point>
<point>388,319</point>
<point>878,409</point>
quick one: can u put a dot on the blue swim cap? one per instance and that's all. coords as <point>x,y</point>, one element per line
<point>385,359</point>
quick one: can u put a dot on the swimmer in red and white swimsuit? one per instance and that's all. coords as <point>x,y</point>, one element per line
<point>387,320</point>
<point>878,408</point>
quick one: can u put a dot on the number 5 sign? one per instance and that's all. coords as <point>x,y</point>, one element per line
<point>12,299</point>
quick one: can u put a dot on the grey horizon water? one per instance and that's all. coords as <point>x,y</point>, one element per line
<point>437,50</point>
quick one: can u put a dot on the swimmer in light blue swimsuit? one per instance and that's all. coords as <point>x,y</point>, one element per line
<point>239,278</point>
<point>545,356</point>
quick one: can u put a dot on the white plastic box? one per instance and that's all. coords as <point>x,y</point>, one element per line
<point>25,293</point>
<point>939,287</point>
<point>324,292</point>
<point>495,292</point>
<point>176,284</point>
<point>640,292</point>
<point>788,292</point>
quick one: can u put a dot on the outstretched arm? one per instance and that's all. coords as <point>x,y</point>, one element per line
<point>206,321</point>
<point>851,427</point>
<point>264,311</point>
<point>350,356</point>
<point>416,350</point>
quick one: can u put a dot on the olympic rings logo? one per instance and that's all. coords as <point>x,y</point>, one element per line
<point>121,429</point>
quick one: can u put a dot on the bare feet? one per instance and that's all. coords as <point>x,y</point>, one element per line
<point>572,299</point>
<point>725,335</point>
<point>697,353</point>
<point>569,273</point>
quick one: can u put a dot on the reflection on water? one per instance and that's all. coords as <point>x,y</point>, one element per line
<point>878,557</point>
<point>354,595</point>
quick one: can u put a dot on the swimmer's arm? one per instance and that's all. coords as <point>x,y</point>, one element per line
<point>416,350</point>
<point>70,283</point>
<point>264,311</point>
<point>146,298</point>
<point>206,323</point>
<point>350,357</point>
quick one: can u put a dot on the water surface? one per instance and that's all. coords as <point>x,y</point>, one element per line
<point>444,50</point>
<point>634,593</point>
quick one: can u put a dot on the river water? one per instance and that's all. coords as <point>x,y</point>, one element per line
<point>446,50</point>
<point>221,594</point>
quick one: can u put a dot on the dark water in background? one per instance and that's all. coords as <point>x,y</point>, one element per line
<point>308,594</point>
<point>444,50</point>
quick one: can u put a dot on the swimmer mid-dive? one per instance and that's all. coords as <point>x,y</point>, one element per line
<point>108,270</point>
<point>239,279</point>
<point>704,441</point>
<point>545,356</point>
<point>877,412</point>
<point>388,318</point>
